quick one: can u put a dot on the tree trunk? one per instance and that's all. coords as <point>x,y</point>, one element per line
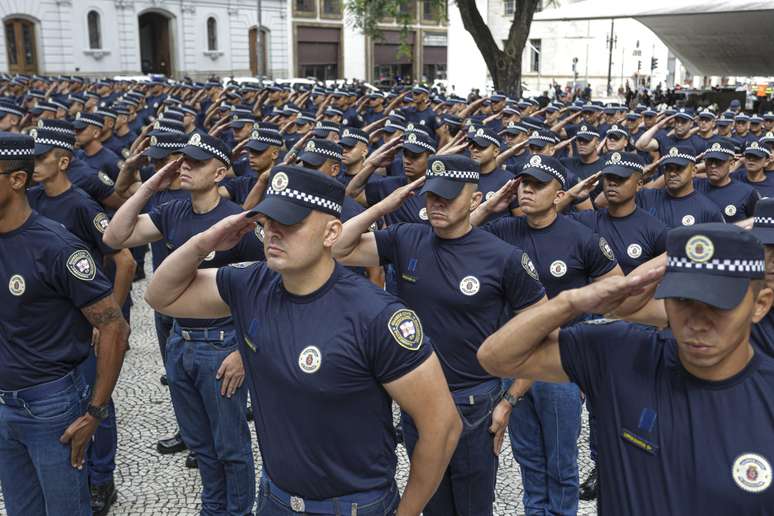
<point>504,65</point>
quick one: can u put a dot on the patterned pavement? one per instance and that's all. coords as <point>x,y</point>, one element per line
<point>153,484</point>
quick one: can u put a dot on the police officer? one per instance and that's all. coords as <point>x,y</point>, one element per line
<point>263,150</point>
<point>338,364</point>
<point>55,295</point>
<point>762,332</point>
<point>545,426</point>
<point>88,127</point>
<point>662,388</point>
<point>756,159</point>
<point>484,147</point>
<point>201,353</point>
<point>736,199</point>
<point>678,204</point>
<point>354,143</point>
<point>460,281</point>
<point>658,139</point>
<point>587,161</point>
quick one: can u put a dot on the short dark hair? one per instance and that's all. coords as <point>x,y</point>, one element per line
<point>24,165</point>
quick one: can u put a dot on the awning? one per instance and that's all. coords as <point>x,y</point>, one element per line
<point>724,37</point>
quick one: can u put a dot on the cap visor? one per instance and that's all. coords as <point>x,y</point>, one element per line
<point>322,133</point>
<point>585,137</point>
<point>540,175</point>
<point>41,149</point>
<point>676,161</point>
<point>238,124</point>
<point>717,155</point>
<point>442,187</point>
<point>312,158</point>
<point>196,153</point>
<point>618,171</point>
<point>157,153</point>
<point>537,143</point>
<point>411,147</point>
<point>348,142</point>
<point>724,292</point>
<point>684,117</point>
<point>257,146</point>
<point>756,153</point>
<point>78,124</point>
<point>282,210</point>
<point>765,235</point>
<point>481,142</point>
<point>391,129</point>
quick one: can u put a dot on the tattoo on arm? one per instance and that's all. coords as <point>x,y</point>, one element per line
<point>103,312</point>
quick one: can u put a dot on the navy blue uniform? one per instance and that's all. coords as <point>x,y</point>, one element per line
<point>412,210</point>
<point>177,222</point>
<point>692,209</point>
<point>665,142</point>
<point>635,238</point>
<point>98,185</point>
<point>488,184</point>
<point>239,187</point>
<point>159,248</point>
<point>51,275</point>
<point>662,456</point>
<point>425,118</point>
<point>121,144</point>
<point>736,200</point>
<point>331,376</point>
<point>762,334</point>
<point>461,293</point>
<point>764,188</point>
<point>103,161</point>
<point>583,170</point>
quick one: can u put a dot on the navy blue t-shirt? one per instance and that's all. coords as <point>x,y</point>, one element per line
<point>583,170</point>
<point>98,185</point>
<point>764,188</point>
<point>488,184</point>
<point>120,144</point>
<point>412,210</point>
<point>78,213</point>
<point>762,334</point>
<point>317,365</point>
<point>567,254</point>
<point>736,200</point>
<point>425,118</point>
<point>463,290</point>
<point>103,161</point>
<point>159,249</point>
<point>666,142</point>
<point>177,222</point>
<point>692,209</point>
<point>635,238</point>
<point>50,276</point>
<point>239,187</point>
<point>673,443</point>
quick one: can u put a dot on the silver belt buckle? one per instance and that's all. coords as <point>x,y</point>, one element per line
<point>297,504</point>
<point>186,335</point>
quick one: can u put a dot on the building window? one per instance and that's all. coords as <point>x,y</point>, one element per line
<point>534,55</point>
<point>305,7</point>
<point>408,9</point>
<point>331,8</point>
<point>212,34</point>
<point>510,7</point>
<point>95,35</point>
<point>430,11</point>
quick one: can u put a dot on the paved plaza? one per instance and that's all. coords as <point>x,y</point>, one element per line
<point>150,484</point>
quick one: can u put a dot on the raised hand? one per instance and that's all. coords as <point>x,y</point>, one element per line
<point>604,296</point>
<point>226,233</point>
<point>394,201</point>
<point>165,175</point>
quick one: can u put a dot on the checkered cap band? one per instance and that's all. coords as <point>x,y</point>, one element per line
<point>617,130</point>
<point>628,164</point>
<point>390,123</point>
<point>355,136</point>
<point>209,148</point>
<point>46,107</point>
<point>93,122</point>
<point>762,149</point>
<point>544,138</point>
<point>17,153</point>
<point>589,133</point>
<point>764,220</point>
<point>546,168</point>
<point>169,145</point>
<point>724,150</point>
<point>422,144</point>
<point>464,175</point>
<point>690,158</point>
<point>11,110</point>
<point>268,139</point>
<point>324,152</point>
<point>167,129</point>
<point>106,113</point>
<point>314,200</point>
<point>680,263</point>
<point>56,143</point>
<point>485,136</point>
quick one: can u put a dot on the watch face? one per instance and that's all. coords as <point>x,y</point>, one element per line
<point>98,412</point>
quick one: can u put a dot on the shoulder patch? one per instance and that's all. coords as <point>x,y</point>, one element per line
<point>529,266</point>
<point>599,321</point>
<point>101,222</point>
<point>105,178</point>
<point>606,249</point>
<point>81,265</point>
<point>406,329</point>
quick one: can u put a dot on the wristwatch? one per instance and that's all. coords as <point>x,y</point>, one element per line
<point>100,413</point>
<point>513,400</point>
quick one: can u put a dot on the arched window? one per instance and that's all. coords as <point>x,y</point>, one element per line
<point>212,33</point>
<point>95,35</point>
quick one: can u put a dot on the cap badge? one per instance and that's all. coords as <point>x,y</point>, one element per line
<point>388,123</point>
<point>318,124</point>
<point>754,145</point>
<point>410,126</point>
<point>235,117</point>
<point>511,125</point>
<point>77,116</point>
<point>770,134</point>
<point>156,124</point>
<point>195,139</point>
<point>280,181</point>
<point>535,134</point>
<point>715,146</point>
<point>584,128</point>
<point>438,167</point>
<point>615,157</point>
<point>34,133</point>
<point>535,161</point>
<point>673,151</point>
<point>346,133</point>
<point>699,249</point>
<point>614,127</point>
<point>310,147</point>
<point>154,141</point>
<point>40,124</point>
<point>412,138</point>
<point>255,135</point>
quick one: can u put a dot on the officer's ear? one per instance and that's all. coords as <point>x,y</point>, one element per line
<point>64,162</point>
<point>763,297</point>
<point>559,196</point>
<point>220,173</point>
<point>335,168</point>
<point>332,233</point>
<point>496,150</point>
<point>274,153</point>
<point>475,200</point>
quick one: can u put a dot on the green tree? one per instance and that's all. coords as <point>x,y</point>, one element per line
<point>504,64</point>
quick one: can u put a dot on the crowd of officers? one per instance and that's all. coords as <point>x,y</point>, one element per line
<point>490,266</point>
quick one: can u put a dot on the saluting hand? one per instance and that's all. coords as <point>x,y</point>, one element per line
<point>226,233</point>
<point>165,175</point>
<point>393,201</point>
<point>232,372</point>
<point>602,297</point>
<point>503,197</point>
<point>584,187</point>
